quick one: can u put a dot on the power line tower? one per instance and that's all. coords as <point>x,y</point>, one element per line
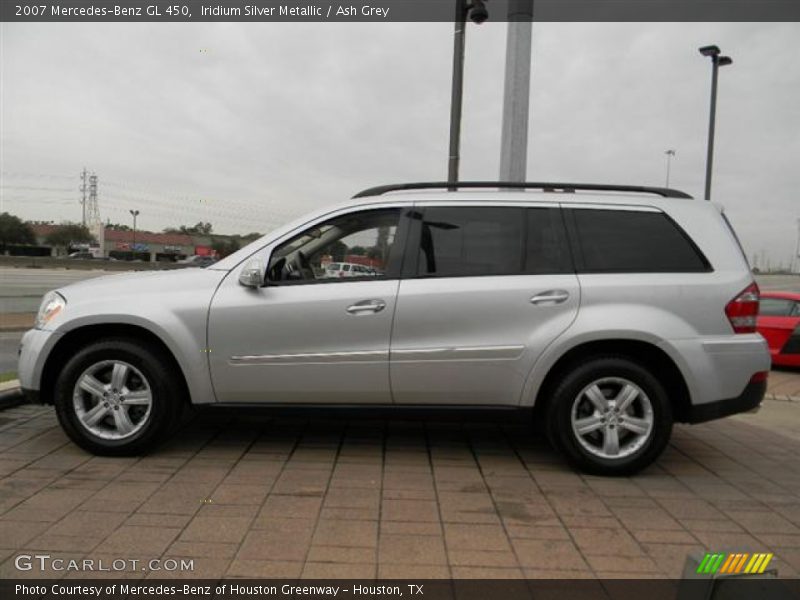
<point>83,189</point>
<point>92,211</point>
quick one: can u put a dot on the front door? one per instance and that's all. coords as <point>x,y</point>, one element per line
<point>310,334</point>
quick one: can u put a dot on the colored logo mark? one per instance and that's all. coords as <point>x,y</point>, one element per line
<point>736,562</point>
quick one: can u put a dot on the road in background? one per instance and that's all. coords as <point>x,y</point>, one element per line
<point>9,342</point>
<point>22,289</point>
<point>783,283</point>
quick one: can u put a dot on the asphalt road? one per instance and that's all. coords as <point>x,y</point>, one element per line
<point>9,342</point>
<point>22,289</point>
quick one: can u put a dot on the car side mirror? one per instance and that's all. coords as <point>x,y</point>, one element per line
<point>252,275</point>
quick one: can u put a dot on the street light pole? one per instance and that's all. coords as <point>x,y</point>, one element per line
<point>670,153</point>
<point>717,61</point>
<point>476,10</point>
<point>135,214</point>
<point>797,247</point>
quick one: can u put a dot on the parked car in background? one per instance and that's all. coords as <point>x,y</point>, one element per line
<point>197,261</point>
<point>343,269</point>
<point>779,322</point>
<point>605,312</point>
<point>81,255</point>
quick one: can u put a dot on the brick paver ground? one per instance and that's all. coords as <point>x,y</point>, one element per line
<point>784,383</point>
<point>253,496</point>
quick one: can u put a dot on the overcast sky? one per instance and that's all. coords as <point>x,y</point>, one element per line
<point>248,125</point>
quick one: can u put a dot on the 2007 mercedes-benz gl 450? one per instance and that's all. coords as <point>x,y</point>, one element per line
<point>605,312</point>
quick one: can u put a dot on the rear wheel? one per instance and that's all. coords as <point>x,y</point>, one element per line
<point>117,397</point>
<point>610,416</point>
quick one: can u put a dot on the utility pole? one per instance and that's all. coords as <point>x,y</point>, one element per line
<point>516,96</point>
<point>670,153</point>
<point>476,10</point>
<point>83,196</point>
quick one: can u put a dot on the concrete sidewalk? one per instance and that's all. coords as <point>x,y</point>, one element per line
<point>249,495</point>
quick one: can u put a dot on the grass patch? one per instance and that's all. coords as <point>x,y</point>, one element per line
<point>10,376</point>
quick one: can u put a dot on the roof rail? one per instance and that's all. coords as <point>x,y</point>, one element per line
<point>547,187</point>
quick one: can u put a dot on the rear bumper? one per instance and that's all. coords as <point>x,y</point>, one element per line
<point>749,399</point>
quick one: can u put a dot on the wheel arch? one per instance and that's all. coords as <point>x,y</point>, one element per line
<point>80,336</point>
<point>645,353</point>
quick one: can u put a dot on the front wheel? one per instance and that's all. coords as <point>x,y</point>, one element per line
<point>117,397</point>
<point>610,416</point>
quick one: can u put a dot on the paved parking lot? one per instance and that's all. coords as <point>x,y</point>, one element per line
<point>256,496</point>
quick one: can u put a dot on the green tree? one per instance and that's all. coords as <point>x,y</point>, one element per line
<point>14,230</point>
<point>358,251</point>
<point>225,247</point>
<point>118,227</point>
<point>68,234</point>
<point>198,228</point>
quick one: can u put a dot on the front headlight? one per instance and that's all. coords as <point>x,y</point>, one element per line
<point>52,304</point>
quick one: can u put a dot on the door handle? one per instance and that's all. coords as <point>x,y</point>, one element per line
<point>365,306</point>
<point>551,297</point>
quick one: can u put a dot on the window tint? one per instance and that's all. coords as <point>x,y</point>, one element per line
<point>547,248</point>
<point>775,307</point>
<point>634,242</point>
<point>348,244</point>
<point>465,241</point>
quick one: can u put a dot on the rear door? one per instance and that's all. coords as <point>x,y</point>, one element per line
<point>485,289</point>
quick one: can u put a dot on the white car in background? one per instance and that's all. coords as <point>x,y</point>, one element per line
<point>344,269</point>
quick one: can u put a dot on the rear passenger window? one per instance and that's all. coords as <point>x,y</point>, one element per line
<point>467,242</point>
<point>464,241</point>
<point>616,241</point>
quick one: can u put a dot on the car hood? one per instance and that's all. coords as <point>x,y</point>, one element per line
<point>142,283</point>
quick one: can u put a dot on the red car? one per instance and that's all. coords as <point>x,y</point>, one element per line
<point>779,322</point>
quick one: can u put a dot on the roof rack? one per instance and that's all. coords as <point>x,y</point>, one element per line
<point>547,187</point>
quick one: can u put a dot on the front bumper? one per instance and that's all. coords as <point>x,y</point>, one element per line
<point>34,349</point>
<point>749,399</point>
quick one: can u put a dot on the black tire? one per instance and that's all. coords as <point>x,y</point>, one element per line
<point>157,370</point>
<point>559,410</point>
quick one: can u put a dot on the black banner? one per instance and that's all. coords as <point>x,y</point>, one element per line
<point>762,588</point>
<point>393,10</point>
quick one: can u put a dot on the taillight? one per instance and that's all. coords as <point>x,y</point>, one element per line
<point>743,310</point>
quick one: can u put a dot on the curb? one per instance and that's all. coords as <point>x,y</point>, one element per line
<point>11,398</point>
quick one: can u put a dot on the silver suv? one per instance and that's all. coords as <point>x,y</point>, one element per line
<point>605,312</point>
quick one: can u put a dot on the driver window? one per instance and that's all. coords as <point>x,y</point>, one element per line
<point>352,246</point>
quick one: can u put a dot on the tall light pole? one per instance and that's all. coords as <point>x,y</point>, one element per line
<point>670,153</point>
<point>717,61</point>
<point>476,9</point>
<point>797,247</point>
<point>135,214</point>
<point>516,93</point>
